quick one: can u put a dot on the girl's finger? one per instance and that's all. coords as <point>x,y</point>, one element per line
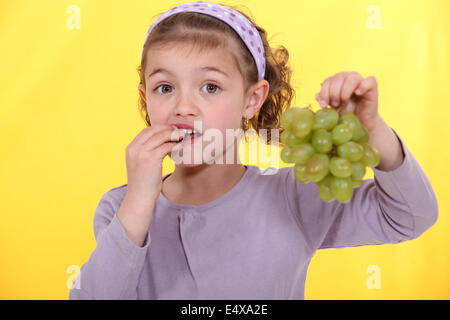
<point>148,132</point>
<point>166,149</point>
<point>162,137</point>
<point>323,94</point>
<point>366,85</point>
<point>348,88</point>
<point>335,89</point>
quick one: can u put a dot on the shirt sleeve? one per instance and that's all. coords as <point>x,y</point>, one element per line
<point>392,207</point>
<point>114,267</point>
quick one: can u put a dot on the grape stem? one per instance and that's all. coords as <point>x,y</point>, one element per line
<point>333,151</point>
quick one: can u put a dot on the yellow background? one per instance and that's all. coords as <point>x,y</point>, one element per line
<point>68,109</point>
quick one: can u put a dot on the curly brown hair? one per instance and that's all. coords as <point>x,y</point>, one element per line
<point>206,32</point>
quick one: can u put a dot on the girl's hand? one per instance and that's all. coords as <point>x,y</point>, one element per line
<point>144,157</point>
<point>354,93</point>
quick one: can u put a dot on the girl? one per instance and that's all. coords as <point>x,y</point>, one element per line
<point>213,230</point>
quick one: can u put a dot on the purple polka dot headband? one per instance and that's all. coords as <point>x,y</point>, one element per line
<point>243,27</point>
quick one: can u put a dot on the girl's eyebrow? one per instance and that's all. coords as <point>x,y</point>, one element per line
<point>206,68</point>
<point>159,70</point>
<point>211,68</point>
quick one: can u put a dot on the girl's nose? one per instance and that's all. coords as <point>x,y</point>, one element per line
<point>186,107</point>
<point>185,110</point>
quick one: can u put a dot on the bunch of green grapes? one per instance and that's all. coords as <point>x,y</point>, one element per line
<point>328,148</point>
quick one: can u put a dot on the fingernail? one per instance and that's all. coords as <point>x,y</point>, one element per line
<point>322,103</point>
<point>358,91</point>
<point>334,103</point>
<point>176,138</point>
<point>178,133</point>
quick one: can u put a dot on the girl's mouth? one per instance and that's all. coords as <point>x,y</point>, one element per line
<point>190,136</point>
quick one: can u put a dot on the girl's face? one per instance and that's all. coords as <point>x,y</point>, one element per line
<point>205,87</point>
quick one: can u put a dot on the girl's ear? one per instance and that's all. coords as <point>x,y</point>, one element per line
<point>256,97</point>
<point>141,89</point>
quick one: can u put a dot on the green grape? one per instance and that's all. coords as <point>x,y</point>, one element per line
<point>317,167</point>
<point>321,140</point>
<point>288,117</point>
<point>290,139</point>
<point>350,150</point>
<point>301,153</point>
<point>340,167</point>
<point>325,119</point>
<point>306,138</point>
<point>341,133</point>
<point>371,157</point>
<point>286,120</point>
<point>286,154</point>
<point>330,149</point>
<point>352,120</point>
<point>302,124</point>
<point>358,170</point>
<point>284,136</point>
<point>356,183</point>
<point>342,188</point>
<point>365,135</point>
<point>300,173</point>
<point>324,189</point>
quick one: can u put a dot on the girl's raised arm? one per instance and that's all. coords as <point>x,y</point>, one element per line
<point>395,206</point>
<point>122,221</point>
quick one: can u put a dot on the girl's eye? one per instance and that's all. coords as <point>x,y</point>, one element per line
<point>211,86</point>
<point>163,86</point>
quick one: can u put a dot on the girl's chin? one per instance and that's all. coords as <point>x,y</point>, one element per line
<point>189,163</point>
<point>196,155</point>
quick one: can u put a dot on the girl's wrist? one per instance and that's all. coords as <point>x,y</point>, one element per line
<point>139,206</point>
<point>142,200</point>
<point>383,138</point>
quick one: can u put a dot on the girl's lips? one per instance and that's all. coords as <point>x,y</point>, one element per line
<point>189,140</point>
<point>185,126</point>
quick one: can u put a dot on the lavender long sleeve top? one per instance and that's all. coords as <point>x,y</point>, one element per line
<point>254,242</point>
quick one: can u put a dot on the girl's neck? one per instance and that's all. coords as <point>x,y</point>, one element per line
<point>201,184</point>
